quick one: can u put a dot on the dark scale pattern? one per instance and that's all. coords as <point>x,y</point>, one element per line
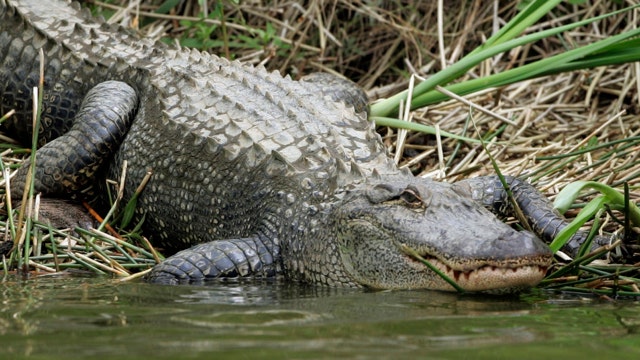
<point>67,165</point>
<point>253,173</point>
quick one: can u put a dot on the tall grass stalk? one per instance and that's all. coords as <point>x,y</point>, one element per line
<point>611,50</point>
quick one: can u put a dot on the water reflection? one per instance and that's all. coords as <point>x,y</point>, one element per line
<point>89,316</point>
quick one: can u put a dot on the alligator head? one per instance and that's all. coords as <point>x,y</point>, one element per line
<point>378,221</point>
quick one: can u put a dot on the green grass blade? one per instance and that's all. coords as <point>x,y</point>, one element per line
<point>620,53</point>
<point>613,198</point>
<point>610,197</point>
<point>516,26</point>
<point>409,251</point>
<point>540,68</point>
<point>400,124</point>
<point>585,214</point>
<point>390,105</point>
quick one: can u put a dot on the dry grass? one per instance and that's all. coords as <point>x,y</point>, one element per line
<point>379,46</point>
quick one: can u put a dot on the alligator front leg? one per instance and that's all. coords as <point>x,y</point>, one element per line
<point>66,165</point>
<point>217,259</point>
<point>544,220</point>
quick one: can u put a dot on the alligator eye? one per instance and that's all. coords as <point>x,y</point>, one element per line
<point>411,197</point>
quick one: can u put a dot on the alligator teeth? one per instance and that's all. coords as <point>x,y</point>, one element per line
<point>491,276</point>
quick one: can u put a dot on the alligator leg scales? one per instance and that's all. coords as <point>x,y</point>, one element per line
<point>255,256</point>
<point>67,164</point>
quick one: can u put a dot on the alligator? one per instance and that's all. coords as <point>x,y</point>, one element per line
<point>253,173</point>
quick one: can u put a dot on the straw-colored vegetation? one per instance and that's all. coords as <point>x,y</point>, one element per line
<point>553,130</point>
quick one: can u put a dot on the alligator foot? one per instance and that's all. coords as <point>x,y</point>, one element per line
<point>64,214</point>
<point>60,214</point>
<point>217,259</point>
<point>68,164</point>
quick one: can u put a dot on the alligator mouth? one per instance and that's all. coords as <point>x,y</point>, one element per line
<point>491,277</point>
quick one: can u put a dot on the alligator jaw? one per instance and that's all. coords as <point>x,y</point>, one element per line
<point>490,276</point>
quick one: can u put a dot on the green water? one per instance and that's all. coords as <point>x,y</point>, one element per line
<point>51,318</point>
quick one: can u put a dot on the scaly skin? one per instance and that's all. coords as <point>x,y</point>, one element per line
<point>253,174</point>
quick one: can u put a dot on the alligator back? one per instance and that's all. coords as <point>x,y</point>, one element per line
<point>222,138</point>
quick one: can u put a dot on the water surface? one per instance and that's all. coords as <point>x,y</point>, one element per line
<point>63,317</point>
